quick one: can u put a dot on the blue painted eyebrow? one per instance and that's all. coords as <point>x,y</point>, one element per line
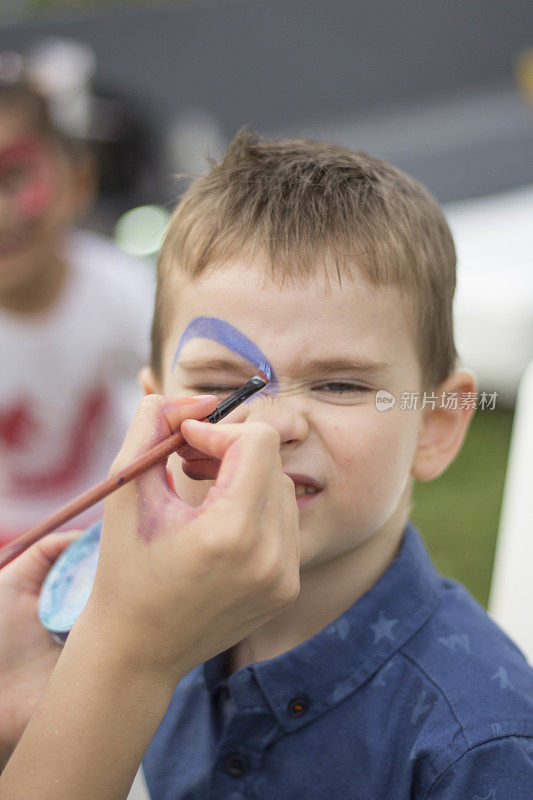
<point>222,332</point>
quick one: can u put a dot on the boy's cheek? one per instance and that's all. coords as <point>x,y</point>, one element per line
<point>33,202</point>
<point>378,458</point>
<point>364,440</point>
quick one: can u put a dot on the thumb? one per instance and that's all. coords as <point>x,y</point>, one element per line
<point>29,570</point>
<point>51,547</point>
<point>155,419</point>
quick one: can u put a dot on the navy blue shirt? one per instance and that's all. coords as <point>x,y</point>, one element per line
<point>413,693</point>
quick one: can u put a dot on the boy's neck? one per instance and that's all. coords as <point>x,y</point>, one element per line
<point>326,591</point>
<point>40,291</point>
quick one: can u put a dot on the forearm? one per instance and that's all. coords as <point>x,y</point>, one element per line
<point>92,726</point>
<point>5,753</point>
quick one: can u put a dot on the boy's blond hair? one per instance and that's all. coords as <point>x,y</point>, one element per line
<point>303,203</point>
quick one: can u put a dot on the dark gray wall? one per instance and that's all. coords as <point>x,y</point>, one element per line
<point>281,64</point>
<point>272,61</point>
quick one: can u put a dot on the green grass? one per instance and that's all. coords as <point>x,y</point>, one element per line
<point>458,513</point>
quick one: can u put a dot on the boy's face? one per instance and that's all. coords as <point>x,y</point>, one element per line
<point>352,460</point>
<point>35,203</point>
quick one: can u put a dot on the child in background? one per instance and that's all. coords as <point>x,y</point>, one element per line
<point>374,678</point>
<point>74,318</point>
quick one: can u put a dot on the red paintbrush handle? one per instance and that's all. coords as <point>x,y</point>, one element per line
<point>90,497</point>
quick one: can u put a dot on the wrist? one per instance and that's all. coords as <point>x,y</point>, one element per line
<point>122,651</point>
<point>103,704</point>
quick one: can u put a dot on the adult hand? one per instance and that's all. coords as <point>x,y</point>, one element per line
<point>174,585</point>
<point>178,584</point>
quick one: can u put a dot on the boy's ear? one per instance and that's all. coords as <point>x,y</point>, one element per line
<point>148,381</point>
<point>443,429</point>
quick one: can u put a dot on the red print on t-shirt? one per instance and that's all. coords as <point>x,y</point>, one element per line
<point>17,425</point>
<point>82,440</point>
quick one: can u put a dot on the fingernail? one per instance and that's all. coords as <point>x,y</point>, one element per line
<point>199,397</point>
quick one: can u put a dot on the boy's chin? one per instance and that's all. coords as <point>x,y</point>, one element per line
<point>17,266</point>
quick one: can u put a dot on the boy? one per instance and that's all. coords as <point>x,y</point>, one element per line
<point>380,680</point>
<point>60,322</point>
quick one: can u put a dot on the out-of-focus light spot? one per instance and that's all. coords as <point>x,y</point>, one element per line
<point>524,72</point>
<point>141,230</point>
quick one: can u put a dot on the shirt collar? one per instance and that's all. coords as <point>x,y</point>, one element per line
<point>336,661</point>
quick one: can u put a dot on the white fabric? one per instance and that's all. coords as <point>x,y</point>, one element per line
<point>139,789</point>
<point>68,384</point>
<point>511,593</point>
<point>493,305</point>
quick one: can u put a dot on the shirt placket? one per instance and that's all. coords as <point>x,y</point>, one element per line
<point>245,736</point>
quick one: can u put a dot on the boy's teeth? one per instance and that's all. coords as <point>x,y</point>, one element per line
<point>301,489</point>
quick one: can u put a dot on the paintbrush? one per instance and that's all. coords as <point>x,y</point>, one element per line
<point>157,453</point>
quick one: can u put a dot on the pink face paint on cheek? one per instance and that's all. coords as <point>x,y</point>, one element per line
<point>27,177</point>
<point>36,197</point>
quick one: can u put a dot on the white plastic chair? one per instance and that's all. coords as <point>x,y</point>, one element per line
<point>511,591</point>
<point>139,789</point>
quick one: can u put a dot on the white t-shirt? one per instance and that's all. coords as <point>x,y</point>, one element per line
<point>68,386</point>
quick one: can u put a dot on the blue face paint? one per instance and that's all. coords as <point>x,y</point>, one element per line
<point>222,332</point>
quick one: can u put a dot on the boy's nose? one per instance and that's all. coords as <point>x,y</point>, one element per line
<point>286,414</point>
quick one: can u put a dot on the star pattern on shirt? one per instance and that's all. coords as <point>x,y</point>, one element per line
<point>379,678</point>
<point>383,628</point>
<point>413,752</point>
<point>502,676</point>
<point>340,628</point>
<point>343,627</point>
<point>339,692</point>
<point>490,796</point>
<point>421,707</point>
<point>527,744</point>
<point>456,642</point>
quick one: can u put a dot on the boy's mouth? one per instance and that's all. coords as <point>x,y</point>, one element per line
<point>306,488</point>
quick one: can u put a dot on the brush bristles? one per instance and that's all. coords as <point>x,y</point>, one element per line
<point>264,372</point>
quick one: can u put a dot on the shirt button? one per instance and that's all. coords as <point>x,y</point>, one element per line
<point>237,764</point>
<point>298,706</point>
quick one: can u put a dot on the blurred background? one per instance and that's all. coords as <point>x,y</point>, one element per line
<point>444,90</point>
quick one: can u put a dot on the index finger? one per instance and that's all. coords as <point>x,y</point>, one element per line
<point>249,454</point>
<point>155,419</point>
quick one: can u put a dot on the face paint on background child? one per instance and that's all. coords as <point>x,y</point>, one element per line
<point>222,332</point>
<point>27,177</point>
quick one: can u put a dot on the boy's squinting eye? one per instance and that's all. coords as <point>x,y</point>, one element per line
<point>216,389</point>
<point>345,388</point>
<point>334,389</point>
